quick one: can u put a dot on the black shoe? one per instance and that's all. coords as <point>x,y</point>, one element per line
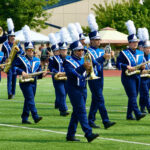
<point>92,137</point>
<point>26,122</point>
<point>10,96</point>
<point>132,118</point>
<point>142,115</point>
<point>38,119</point>
<point>72,139</point>
<point>93,125</point>
<point>109,124</point>
<point>64,113</point>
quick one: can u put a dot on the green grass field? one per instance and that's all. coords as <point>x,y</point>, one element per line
<point>50,133</point>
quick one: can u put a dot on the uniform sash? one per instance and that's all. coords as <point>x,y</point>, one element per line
<point>8,48</point>
<point>132,60</point>
<point>60,62</point>
<point>30,68</point>
<point>147,66</point>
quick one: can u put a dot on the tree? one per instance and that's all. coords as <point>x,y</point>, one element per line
<point>116,14</point>
<point>30,12</point>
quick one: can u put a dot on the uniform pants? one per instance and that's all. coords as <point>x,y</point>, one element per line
<point>60,93</point>
<point>29,90</point>
<point>144,93</point>
<point>78,97</point>
<point>11,82</point>
<point>96,87</point>
<point>131,85</point>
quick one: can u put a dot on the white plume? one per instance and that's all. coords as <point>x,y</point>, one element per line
<point>65,36</point>
<point>58,37</point>
<point>78,27</point>
<point>140,34</point>
<point>52,39</point>
<point>10,24</point>
<point>92,23</point>
<point>145,34</point>
<point>27,33</point>
<point>73,32</point>
<point>131,27</point>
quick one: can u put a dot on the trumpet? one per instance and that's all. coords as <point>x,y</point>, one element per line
<point>91,74</point>
<point>137,71</point>
<point>12,55</point>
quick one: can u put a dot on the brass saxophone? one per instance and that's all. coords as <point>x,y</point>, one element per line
<point>1,31</point>
<point>31,76</point>
<point>60,76</point>
<point>145,73</point>
<point>12,55</point>
<point>91,74</point>
<point>137,71</point>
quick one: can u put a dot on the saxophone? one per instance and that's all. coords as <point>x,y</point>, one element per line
<point>91,74</point>
<point>31,76</point>
<point>137,71</point>
<point>60,76</point>
<point>1,31</point>
<point>12,55</point>
<point>145,73</point>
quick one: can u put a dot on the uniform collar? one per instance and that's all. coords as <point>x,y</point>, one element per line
<point>132,51</point>
<point>76,57</point>
<point>30,58</point>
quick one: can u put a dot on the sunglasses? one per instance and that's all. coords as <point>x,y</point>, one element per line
<point>30,50</point>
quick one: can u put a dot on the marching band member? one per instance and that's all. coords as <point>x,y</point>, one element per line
<point>56,66</point>
<point>127,59</point>
<point>23,66</point>
<point>6,49</point>
<point>75,69</point>
<point>96,86</point>
<point>144,100</point>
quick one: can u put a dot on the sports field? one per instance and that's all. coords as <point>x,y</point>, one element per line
<point>50,133</point>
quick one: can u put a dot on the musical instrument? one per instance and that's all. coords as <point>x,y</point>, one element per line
<point>31,76</point>
<point>137,71</point>
<point>1,31</point>
<point>145,74</point>
<point>60,76</point>
<point>91,74</point>
<point>109,66</point>
<point>3,65</point>
<point>12,55</point>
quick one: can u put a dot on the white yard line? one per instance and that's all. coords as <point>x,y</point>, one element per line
<point>64,133</point>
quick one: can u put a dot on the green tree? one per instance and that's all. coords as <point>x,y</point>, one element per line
<point>116,14</point>
<point>23,12</point>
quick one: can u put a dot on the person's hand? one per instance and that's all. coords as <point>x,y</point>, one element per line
<point>144,71</point>
<point>107,56</point>
<point>44,74</point>
<point>143,67</point>
<point>25,75</point>
<point>88,66</point>
<point>112,53</point>
<point>131,68</point>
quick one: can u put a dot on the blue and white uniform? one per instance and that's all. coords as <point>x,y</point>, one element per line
<point>28,65</point>
<point>56,65</point>
<point>96,86</point>
<point>77,93</point>
<point>1,61</point>
<point>131,83</point>
<point>144,88</point>
<point>11,77</point>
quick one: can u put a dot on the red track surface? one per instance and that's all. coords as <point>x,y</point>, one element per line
<point>107,73</point>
